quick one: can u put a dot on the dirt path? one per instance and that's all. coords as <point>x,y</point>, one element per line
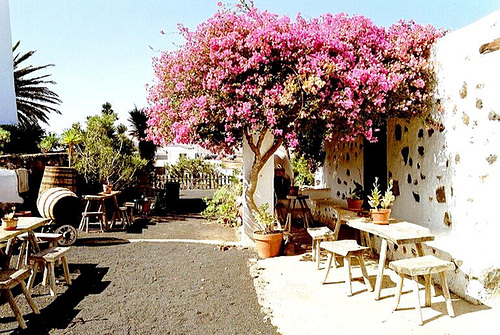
<point>158,287</point>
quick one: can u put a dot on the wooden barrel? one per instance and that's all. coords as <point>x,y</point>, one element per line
<point>59,204</point>
<point>58,176</point>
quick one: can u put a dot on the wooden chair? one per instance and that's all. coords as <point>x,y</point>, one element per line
<point>10,279</point>
<point>47,258</point>
<point>425,265</point>
<point>345,249</point>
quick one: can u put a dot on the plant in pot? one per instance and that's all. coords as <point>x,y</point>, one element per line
<point>267,239</point>
<point>9,222</point>
<point>355,197</point>
<point>380,211</point>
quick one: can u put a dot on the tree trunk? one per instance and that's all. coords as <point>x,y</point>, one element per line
<point>259,160</point>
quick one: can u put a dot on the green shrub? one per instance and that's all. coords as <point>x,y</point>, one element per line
<point>301,171</point>
<point>225,205</point>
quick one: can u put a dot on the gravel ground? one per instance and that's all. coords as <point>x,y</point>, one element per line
<point>122,285</point>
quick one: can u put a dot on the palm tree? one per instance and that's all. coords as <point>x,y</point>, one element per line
<point>147,149</point>
<point>32,98</point>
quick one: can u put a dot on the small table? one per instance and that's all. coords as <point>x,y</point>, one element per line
<point>397,232</point>
<point>24,225</point>
<point>100,213</point>
<point>297,205</point>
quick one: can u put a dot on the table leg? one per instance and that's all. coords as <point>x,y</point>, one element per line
<point>381,266</point>
<point>33,241</point>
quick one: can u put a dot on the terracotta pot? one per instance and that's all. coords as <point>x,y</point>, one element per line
<point>293,191</point>
<point>380,216</point>
<point>107,188</point>
<point>9,224</point>
<point>268,245</point>
<point>354,204</point>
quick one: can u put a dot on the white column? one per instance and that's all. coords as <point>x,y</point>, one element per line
<point>8,110</point>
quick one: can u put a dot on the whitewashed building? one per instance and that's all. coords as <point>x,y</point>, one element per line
<point>447,176</point>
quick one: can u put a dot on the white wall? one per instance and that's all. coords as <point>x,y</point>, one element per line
<point>448,173</point>
<point>8,111</point>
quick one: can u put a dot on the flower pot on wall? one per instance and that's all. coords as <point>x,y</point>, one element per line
<point>268,245</point>
<point>380,216</point>
<point>293,191</point>
<point>354,204</point>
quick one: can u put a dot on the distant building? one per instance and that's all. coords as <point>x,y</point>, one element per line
<point>170,154</point>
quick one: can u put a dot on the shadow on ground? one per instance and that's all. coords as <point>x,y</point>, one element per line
<point>61,312</point>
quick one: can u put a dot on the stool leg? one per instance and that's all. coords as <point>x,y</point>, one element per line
<point>30,300</point>
<point>52,278</point>
<point>46,273</point>
<point>417,299</point>
<point>66,270</point>
<point>368,285</point>
<point>330,257</point>
<point>31,280</point>
<point>348,275</point>
<point>15,309</point>
<point>399,290</point>
<point>313,250</point>
<point>427,278</point>
<point>22,255</point>
<point>446,294</point>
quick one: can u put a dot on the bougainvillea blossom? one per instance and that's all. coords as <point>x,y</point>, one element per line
<point>241,75</point>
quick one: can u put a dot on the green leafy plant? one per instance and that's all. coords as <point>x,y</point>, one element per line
<point>264,219</point>
<point>49,142</point>
<point>357,193</point>
<point>302,173</point>
<point>106,155</point>
<point>376,200</point>
<point>70,138</point>
<point>225,205</point>
<point>4,138</point>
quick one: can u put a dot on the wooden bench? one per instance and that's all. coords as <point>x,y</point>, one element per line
<point>51,238</point>
<point>48,258</point>
<point>423,266</point>
<point>92,201</point>
<point>10,279</point>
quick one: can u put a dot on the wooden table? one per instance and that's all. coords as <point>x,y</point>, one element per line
<point>115,207</point>
<point>397,232</point>
<point>297,205</point>
<point>24,225</point>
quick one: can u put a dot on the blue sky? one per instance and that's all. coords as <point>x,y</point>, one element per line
<point>103,49</point>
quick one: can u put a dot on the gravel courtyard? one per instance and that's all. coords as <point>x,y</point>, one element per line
<point>154,279</point>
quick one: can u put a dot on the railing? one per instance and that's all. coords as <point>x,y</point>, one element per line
<point>188,181</point>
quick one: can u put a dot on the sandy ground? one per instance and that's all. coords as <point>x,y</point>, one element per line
<point>159,279</point>
<point>183,275</point>
<point>290,289</point>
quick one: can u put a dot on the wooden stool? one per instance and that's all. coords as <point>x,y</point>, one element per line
<point>10,279</point>
<point>425,265</point>
<point>47,258</point>
<point>51,238</point>
<point>130,211</point>
<point>346,249</point>
<point>93,201</point>
<point>319,234</point>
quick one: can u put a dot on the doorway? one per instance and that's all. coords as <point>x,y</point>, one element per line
<point>375,161</point>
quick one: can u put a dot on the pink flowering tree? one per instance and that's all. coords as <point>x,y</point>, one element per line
<point>243,75</point>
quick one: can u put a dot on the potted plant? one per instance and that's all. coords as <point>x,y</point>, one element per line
<point>9,222</point>
<point>355,197</point>
<point>267,239</point>
<point>380,211</point>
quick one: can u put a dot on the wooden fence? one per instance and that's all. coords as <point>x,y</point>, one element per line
<point>188,181</point>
